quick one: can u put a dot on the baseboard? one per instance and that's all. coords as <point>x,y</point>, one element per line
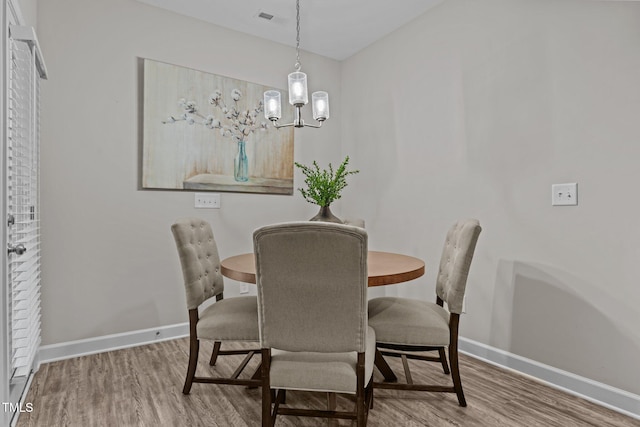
<point>67,350</point>
<point>596,392</point>
<point>599,393</point>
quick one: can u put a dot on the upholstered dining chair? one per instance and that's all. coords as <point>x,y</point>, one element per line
<point>406,326</point>
<point>312,313</point>
<point>226,320</point>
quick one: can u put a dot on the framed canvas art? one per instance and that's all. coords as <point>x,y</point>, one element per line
<point>202,131</point>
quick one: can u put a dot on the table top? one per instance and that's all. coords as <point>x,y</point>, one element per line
<point>385,268</point>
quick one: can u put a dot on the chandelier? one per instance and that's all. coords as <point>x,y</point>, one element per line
<point>298,96</point>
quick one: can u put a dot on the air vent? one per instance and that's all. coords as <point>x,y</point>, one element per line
<point>265,15</point>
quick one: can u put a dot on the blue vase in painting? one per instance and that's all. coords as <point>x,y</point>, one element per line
<point>241,164</point>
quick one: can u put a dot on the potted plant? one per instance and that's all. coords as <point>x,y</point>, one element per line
<point>324,186</point>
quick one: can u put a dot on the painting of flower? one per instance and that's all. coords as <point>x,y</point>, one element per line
<point>202,131</point>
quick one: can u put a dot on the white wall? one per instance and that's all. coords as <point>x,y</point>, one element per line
<point>474,110</point>
<point>29,10</point>
<point>109,260</point>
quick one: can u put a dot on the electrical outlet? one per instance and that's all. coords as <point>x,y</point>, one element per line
<point>244,288</point>
<point>564,194</point>
<point>207,200</point>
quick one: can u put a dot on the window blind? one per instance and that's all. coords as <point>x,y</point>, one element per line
<point>23,206</point>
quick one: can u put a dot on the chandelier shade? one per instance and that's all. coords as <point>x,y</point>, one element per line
<point>272,105</point>
<point>298,89</point>
<point>320,104</point>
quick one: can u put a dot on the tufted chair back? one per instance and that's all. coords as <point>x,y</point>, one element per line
<point>199,260</point>
<point>455,262</point>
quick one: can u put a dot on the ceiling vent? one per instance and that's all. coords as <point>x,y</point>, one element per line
<point>265,15</point>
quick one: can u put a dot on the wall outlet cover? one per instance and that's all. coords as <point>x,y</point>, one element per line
<point>207,200</point>
<point>564,194</point>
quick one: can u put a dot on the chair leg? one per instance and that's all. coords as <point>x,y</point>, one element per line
<point>214,354</point>
<point>455,373</point>
<point>331,406</point>
<point>369,397</point>
<point>407,371</point>
<point>267,419</point>
<point>361,401</point>
<point>443,360</point>
<point>194,348</point>
<point>256,375</point>
<point>361,412</point>
<point>331,401</point>
<point>371,394</point>
<point>384,368</point>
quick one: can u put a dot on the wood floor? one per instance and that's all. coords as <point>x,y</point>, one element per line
<point>142,387</point>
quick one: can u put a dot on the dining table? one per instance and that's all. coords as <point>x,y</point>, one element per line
<point>383,268</point>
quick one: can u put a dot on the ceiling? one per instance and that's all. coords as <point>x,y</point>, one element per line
<point>333,28</point>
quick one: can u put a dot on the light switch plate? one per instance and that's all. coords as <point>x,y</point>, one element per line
<point>207,200</point>
<point>564,194</point>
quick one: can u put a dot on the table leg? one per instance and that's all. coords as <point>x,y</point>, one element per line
<point>384,368</point>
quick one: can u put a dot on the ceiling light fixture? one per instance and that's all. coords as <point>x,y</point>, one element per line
<point>298,96</point>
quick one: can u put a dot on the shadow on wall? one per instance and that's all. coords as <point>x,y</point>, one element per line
<point>546,314</point>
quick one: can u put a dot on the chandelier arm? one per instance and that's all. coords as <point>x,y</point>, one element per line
<point>278,126</point>
<point>298,125</point>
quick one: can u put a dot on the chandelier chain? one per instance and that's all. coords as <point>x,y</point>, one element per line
<point>298,65</point>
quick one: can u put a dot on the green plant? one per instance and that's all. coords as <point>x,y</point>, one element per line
<point>324,186</point>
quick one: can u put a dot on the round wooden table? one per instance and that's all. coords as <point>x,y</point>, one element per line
<point>385,268</point>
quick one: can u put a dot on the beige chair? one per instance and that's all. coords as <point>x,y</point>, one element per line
<point>405,326</point>
<point>312,306</point>
<point>232,319</point>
